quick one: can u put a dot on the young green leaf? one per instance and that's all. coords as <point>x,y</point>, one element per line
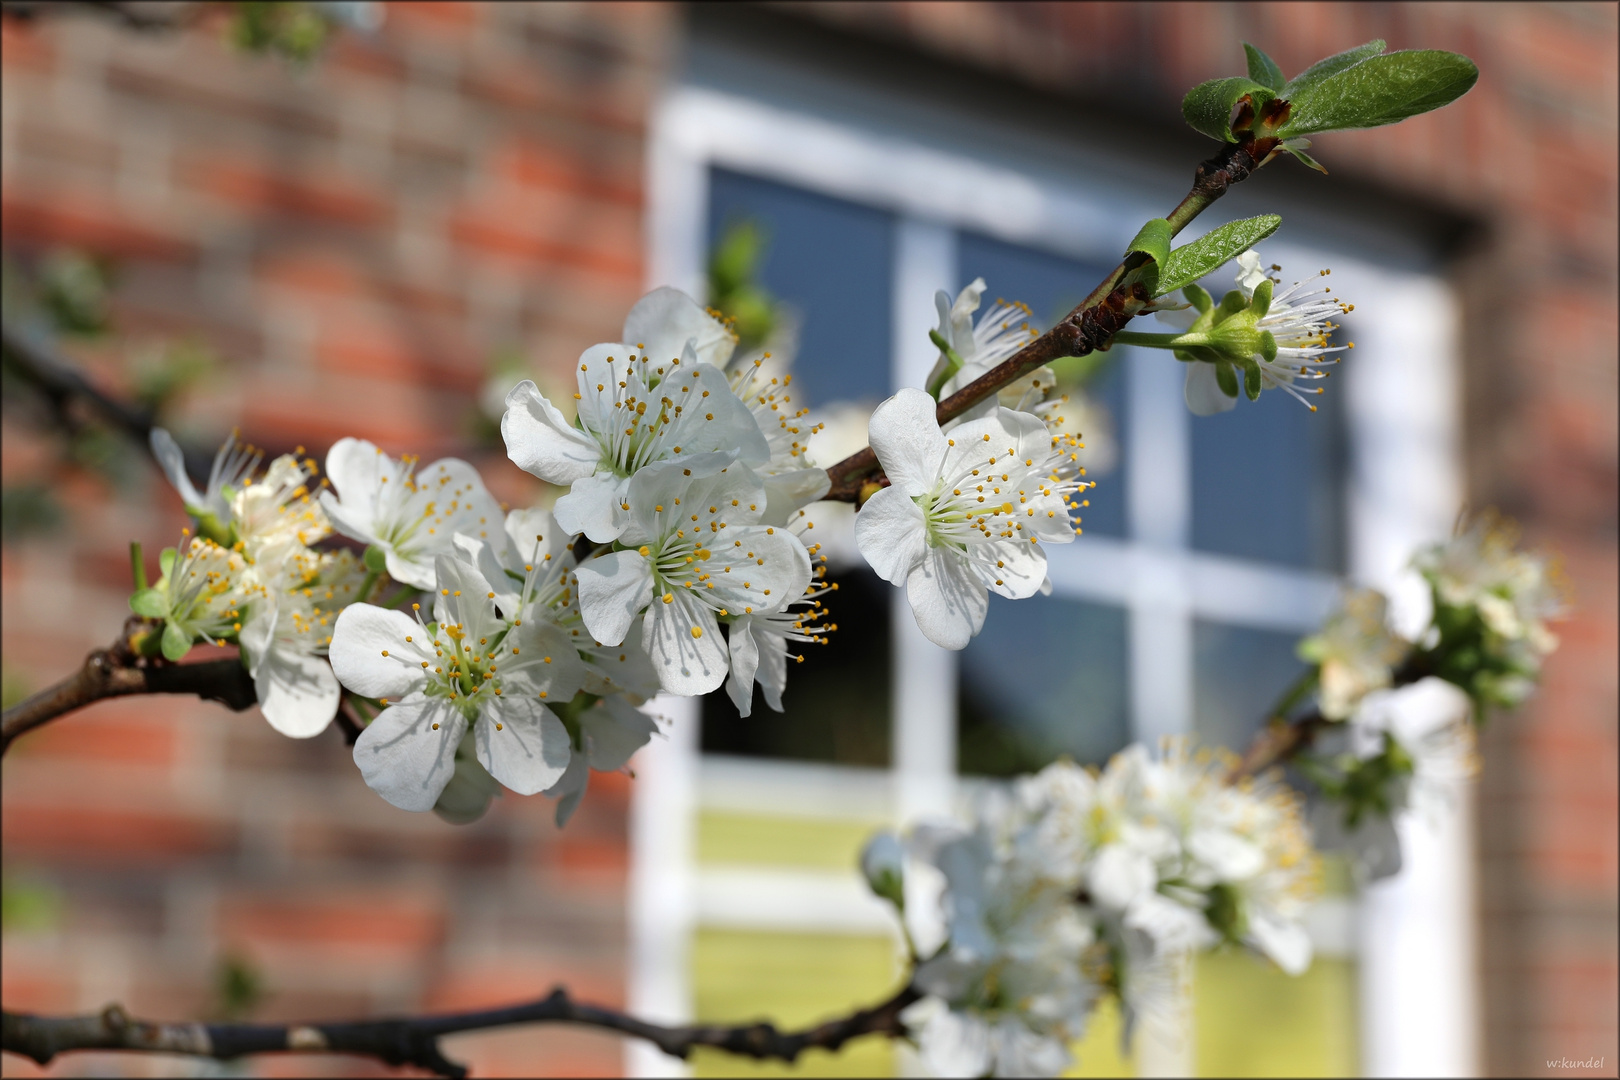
<point>1213,250</point>
<point>1153,240</point>
<point>1208,106</point>
<point>1320,70</point>
<point>1262,68</point>
<point>1381,90</point>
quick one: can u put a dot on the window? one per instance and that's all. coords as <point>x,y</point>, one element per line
<point>1210,546</point>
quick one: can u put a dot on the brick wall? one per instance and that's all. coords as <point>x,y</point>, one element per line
<point>355,240</point>
<point>359,238</point>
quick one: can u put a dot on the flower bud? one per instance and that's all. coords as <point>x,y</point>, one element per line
<point>883,863</point>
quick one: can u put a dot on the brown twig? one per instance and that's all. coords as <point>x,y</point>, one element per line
<point>1088,328</point>
<point>118,672</point>
<point>1281,739</point>
<point>132,16</point>
<point>415,1040</point>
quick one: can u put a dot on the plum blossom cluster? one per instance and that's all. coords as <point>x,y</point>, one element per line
<point>672,563</point>
<point>1071,885</point>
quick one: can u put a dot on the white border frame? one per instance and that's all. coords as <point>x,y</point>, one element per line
<point>1418,1012</point>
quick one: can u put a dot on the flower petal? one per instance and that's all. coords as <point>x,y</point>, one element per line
<point>403,758</point>
<point>173,462</point>
<point>547,664</point>
<point>891,534</point>
<point>612,589</point>
<point>298,693</point>
<point>529,751</point>
<point>907,440</point>
<point>361,634</point>
<point>1021,570</point>
<point>684,642</point>
<point>744,662</point>
<point>792,490</point>
<point>614,730</point>
<point>666,319</point>
<point>541,441</point>
<point>1203,393</point>
<point>595,506</point>
<point>947,598</point>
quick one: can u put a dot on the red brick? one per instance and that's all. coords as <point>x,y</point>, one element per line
<point>260,190</point>
<point>29,220</point>
<point>330,920</point>
<point>74,833</point>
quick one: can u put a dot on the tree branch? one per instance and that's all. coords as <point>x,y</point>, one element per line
<point>1281,740</point>
<point>132,16</point>
<point>1089,327</point>
<point>415,1040</point>
<point>117,672</point>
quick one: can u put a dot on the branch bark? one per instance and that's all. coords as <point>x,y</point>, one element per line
<point>118,672</point>
<point>415,1040</point>
<point>1088,328</point>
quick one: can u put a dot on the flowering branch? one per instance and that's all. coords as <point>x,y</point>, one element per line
<point>119,671</point>
<point>415,1040</point>
<point>1088,328</point>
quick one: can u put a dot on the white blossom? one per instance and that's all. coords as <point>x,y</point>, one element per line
<point>412,515</point>
<point>468,669</point>
<point>1356,651</point>
<point>654,397</point>
<point>998,334</point>
<point>962,514</point>
<point>233,464</point>
<point>276,514</point>
<point>693,553</point>
<point>1515,592</point>
<point>791,480</point>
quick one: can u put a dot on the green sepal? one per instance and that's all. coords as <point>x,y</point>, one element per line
<point>953,364</point>
<point>176,642</point>
<point>1332,65</point>
<point>1251,380</point>
<point>1268,345</point>
<point>1263,69</point>
<point>1261,304</point>
<point>1226,378</point>
<point>211,528</point>
<point>149,603</point>
<point>1305,159</point>
<point>1207,108</point>
<point>1213,250</point>
<point>166,561</point>
<point>1381,90</point>
<point>376,559</point>
<point>1233,302</point>
<point>1198,298</point>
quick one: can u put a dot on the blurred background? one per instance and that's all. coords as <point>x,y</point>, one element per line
<point>310,221</point>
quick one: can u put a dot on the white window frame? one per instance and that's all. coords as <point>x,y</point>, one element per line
<point>1413,935</point>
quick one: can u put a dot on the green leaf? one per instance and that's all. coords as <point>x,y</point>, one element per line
<point>1153,240</point>
<point>1305,159</point>
<point>1208,106</point>
<point>1334,64</point>
<point>150,603</point>
<point>1213,250</point>
<point>176,642</point>
<point>1251,380</point>
<point>1381,90</point>
<point>1262,68</point>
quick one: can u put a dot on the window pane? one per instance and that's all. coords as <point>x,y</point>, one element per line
<point>837,700</point>
<point>1268,479</point>
<point>1046,677</point>
<point>1238,675</point>
<point>832,261</point>
<point>1051,285</point>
